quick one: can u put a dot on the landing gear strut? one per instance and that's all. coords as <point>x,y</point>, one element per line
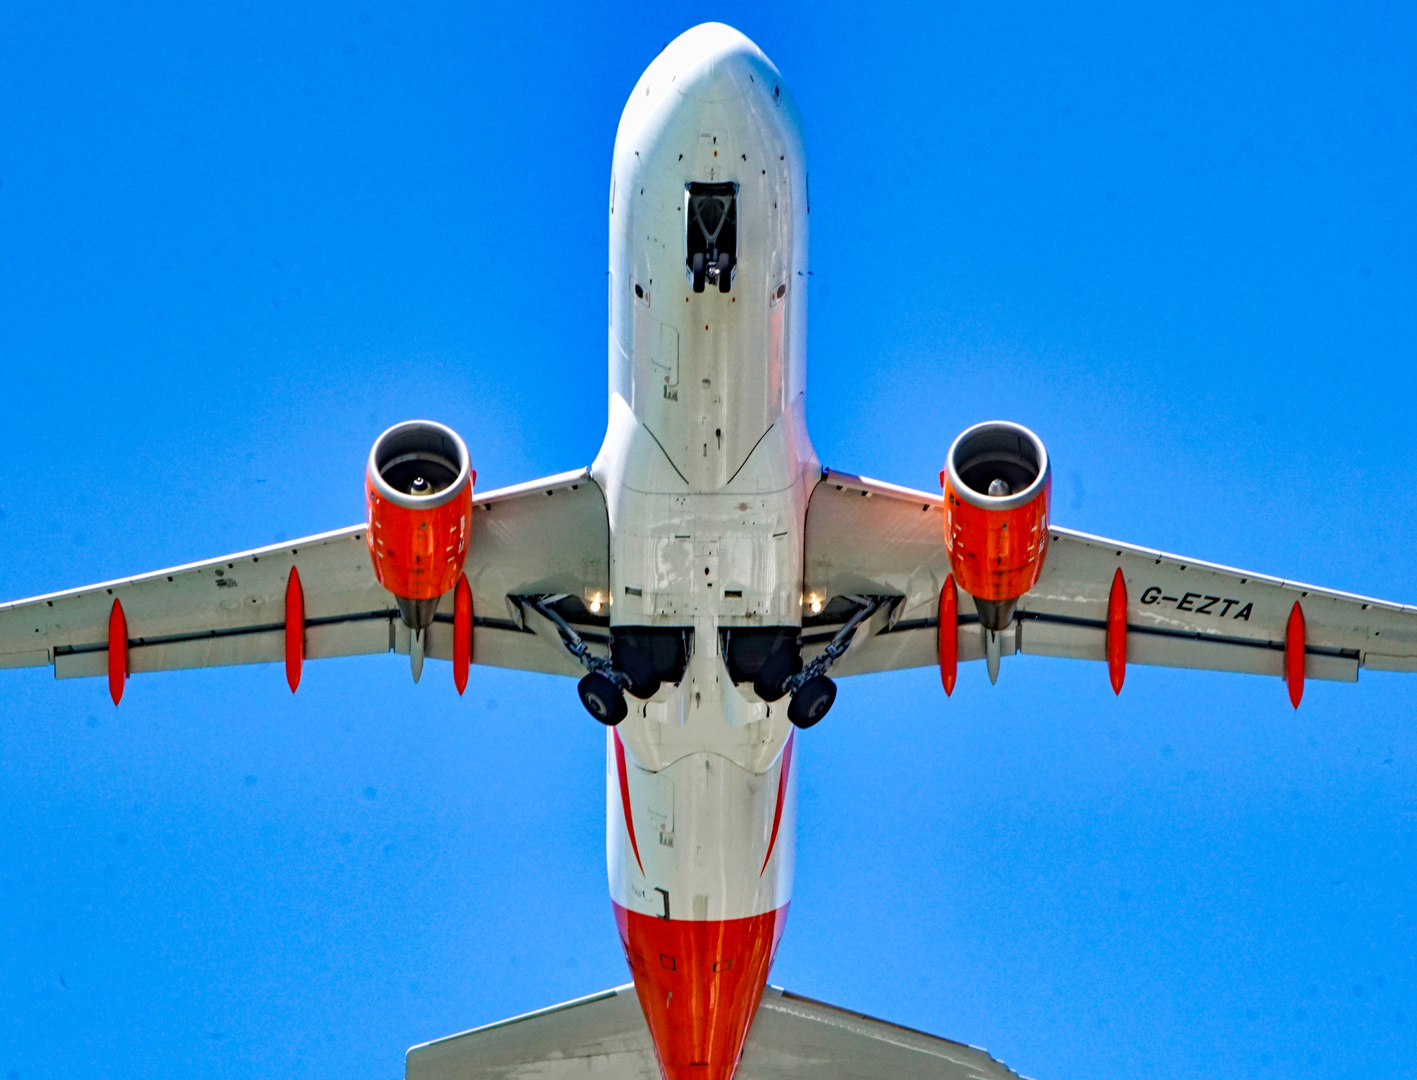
<point>813,694</point>
<point>602,691</point>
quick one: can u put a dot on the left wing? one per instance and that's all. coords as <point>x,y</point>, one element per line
<point>547,538</point>
<point>868,539</point>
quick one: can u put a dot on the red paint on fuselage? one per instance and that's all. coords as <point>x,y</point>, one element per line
<point>781,797</point>
<point>625,797</point>
<point>699,985</point>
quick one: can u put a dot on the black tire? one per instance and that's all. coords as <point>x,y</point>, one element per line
<point>812,701</point>
<point>725,272</point>
<point>699,270</point>
<point>602,699</point>
<point>767,684</point>
<point>644,680</point>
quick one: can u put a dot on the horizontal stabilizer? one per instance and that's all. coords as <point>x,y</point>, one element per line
<point>604,1036</point>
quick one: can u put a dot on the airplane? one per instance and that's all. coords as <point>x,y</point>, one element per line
<point>706,580</point>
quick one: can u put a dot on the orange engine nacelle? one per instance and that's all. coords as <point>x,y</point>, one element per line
<point>418,491</point>
<point>998,489</point>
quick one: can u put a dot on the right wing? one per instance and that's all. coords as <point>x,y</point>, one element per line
<point>866,539</point>
<point>605,1036</point>
<point>546,538</point>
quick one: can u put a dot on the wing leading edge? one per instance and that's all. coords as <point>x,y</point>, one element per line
<point>866,538</point>
<point>549,537</point>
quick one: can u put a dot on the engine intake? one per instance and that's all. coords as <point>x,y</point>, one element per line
<point>418,492</point>
<point>998,491</point>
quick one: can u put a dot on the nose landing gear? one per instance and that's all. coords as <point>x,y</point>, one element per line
<point>711,235</point>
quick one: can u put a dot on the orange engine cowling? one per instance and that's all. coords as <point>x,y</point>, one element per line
<point>998,489</point>
<point>418,491</point>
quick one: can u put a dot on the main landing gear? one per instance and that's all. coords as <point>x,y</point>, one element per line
<point>812,701</point>
<point>813,694</point>
<point>603,691</point>
<point>603,699</point>
<point>642,658</point>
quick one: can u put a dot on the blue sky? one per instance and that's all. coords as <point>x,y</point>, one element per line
<point>237,244</point>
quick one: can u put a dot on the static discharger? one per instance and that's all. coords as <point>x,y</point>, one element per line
<point>294,629</point>
<point>1117,632</point>
<point>117,651</point>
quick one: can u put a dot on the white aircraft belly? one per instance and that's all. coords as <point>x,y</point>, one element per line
<point>715,840</point>
<point>707,469</point>
<point>708,373</point>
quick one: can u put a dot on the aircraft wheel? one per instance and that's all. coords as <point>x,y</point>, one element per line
<point>767,684</point>
<point>644,679</point>
<point>602,699</point>
<point>812,701</point>
<point>699,270</point>
<point>725,272</point>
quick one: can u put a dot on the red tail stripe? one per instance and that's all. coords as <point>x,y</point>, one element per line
<point>781,795</point>
<point>625,797</point>
<point>699,983</point>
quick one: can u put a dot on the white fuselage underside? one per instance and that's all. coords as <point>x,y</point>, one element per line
<point>706,469</point>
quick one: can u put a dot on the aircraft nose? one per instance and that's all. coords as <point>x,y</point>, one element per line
<point>717,63</point>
